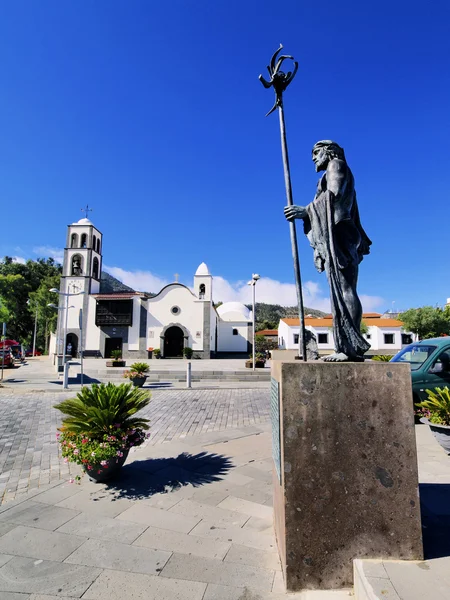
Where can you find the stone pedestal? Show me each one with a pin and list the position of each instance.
(345, 469)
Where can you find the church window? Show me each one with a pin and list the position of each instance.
(98, 246)
(77, 265)
(201, 291)
(94, 243)
(235, 332)
(95, 268)
(74, 240)
(83, 240)
(175, 310)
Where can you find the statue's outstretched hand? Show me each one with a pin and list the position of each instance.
(294, 212)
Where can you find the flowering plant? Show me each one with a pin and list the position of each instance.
(137, 370)
(436, 408)
(100, 425)
(98, 453)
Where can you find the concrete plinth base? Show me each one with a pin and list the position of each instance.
(345, 474)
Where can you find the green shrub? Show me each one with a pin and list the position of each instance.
(156, 352)
(140, 368)
(437, 407)
(382, 357)
(116, 354)
(103, 408)
(188, 352)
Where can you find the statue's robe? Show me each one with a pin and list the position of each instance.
(334, 231)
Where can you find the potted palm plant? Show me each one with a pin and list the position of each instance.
(260, 361)
(116, 361)
(99, 427)
(435, 412)
(137, 374)
(156, 353)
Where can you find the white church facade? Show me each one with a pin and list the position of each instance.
(98, 320)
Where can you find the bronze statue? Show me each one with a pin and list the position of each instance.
(331, 223)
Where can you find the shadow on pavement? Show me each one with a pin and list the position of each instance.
(77, 380)
(144, 478)
(435, 508)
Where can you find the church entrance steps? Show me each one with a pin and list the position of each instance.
(116, 375)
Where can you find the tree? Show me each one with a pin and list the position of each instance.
(14, 290)
(47, 316)
(363, 328)
(17, 282)
(262, 344)
(427, 321)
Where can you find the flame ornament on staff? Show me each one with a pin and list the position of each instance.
(280, 80)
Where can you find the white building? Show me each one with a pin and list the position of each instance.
(99, 321)
(385, 335)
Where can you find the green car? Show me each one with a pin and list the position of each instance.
(430, 365)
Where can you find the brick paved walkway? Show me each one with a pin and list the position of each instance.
(28, 424)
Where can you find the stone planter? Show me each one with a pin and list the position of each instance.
(259, 364)
(115, 363)
(106, 473)
(138, 381)
(440, 432)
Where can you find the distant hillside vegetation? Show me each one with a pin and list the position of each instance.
(268, 315)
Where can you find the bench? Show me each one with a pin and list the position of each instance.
(91, 354)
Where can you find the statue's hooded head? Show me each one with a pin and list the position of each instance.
(324, 151)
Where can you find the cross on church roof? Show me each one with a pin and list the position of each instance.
(176, 277)
(87, 210)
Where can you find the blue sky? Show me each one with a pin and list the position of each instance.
(152, 113)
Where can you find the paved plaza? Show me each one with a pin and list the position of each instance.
(191, 516)
(28, 425)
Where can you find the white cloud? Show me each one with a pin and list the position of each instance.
(269, 291)
(371, 303)
(19, 259)
(49, 251)
(141, 281)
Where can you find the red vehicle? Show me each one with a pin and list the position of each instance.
(7, 358)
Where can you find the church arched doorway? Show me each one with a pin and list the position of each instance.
(72, 344)
(173, 342)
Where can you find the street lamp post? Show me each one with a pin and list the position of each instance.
(67, 295)
(35, 328)
(253, 281)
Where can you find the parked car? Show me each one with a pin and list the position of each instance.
(7, 357)
(430, 365)
(29, 352)
(18, 352)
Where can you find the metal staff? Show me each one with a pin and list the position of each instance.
(279, 81)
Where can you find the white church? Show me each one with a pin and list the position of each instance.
(100, 317)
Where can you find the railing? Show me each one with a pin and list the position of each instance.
(113, 319)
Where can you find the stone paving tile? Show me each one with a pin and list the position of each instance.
(252, 509)
(244, 537)
(29, 457)
(155, 517)
(261, 525)
(173, 541)
(39, 515)
(194, 568)
(5, 527)
(119, 557)
(46, 577)
(103, 528)
(101, 503)
(119, 585)
(226, 592)
(215, 514)
(4, 558)
(39, 543)
(253, 557)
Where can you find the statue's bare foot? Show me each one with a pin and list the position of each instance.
(337, 357)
